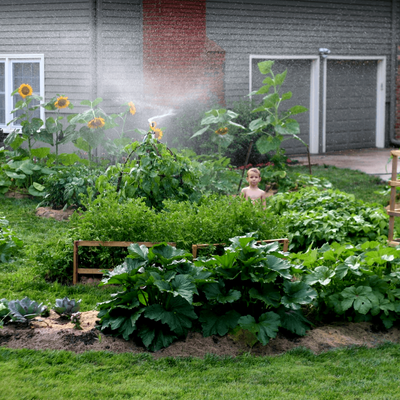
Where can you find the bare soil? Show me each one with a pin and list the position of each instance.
(56, 333)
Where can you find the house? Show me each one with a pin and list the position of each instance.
(341, 57)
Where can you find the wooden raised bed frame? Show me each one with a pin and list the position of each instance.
(393, 211)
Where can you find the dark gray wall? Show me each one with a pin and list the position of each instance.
(292, 27)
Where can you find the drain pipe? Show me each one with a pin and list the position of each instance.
(392, 117)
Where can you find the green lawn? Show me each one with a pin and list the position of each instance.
(356, 373)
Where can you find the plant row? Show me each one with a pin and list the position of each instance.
(251, 289)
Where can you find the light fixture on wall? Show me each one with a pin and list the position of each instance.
(323, 52)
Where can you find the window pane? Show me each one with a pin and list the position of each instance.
(2, 95)
(28, 73)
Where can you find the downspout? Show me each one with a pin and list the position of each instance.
(93, 48)
(393, 63)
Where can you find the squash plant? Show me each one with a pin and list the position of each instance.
(355, 282)
(156, 303)
(255, 289)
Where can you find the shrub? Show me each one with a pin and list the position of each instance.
(66, 184)
(213, 220)
(314, 217)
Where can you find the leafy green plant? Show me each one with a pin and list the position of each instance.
(65, 185)
(154, 173)
(25, 309)
(277, 126)
(156, 304)
(254, 290)
(4, 311)
(9, 242)
(355, 282)
(220, 119)
(315, 217)
(66, 307)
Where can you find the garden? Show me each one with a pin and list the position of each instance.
(337, 284)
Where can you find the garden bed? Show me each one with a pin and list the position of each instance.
(57, 334)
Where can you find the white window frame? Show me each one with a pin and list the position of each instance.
(8, 60)
(314, 93)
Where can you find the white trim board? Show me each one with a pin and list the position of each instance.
(314, 93)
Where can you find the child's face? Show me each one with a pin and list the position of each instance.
(254, 179)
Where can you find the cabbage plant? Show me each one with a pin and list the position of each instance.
(25, 309)
(66, 307)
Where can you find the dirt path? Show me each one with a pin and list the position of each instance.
(58, 334)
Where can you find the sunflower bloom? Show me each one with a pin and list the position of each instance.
(158, 134)
(62, 102)
(132, 108)
(25, 90)
(221, 131)
(96, 123)
(153, 125)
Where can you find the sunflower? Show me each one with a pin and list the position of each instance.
(132, 108)
(96, 123)
(153, 125)
(25, 90)
(62, 102)
(158, 134)
(221, 131)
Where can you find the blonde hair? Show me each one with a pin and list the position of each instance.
(256, 170)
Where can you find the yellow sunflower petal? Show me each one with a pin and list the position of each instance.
(153, 125)
(62, 102)
(132, 108)
(96, 123)
(25, 90)
(158, 134)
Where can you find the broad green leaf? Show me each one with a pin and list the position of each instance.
(82, 144)
(257, 124)
(14, 175)
(68, 159)
(138, 251)
(279, 265)
(266, 328)
(267, 143)
(290, 128)
(271, 100)
(213, 292)
(361, 298)
(297, 294)
(214, 324)
(263, 89)
(280, 78)
(181, 285)
(321, 274)
(294, 321)
(297, 110)
(166, 254)
(155, 339)
(268, 295)
(265, 66)
(286, 96)
(227, 260)
(178, 317)
(129, 326)
(40, 152)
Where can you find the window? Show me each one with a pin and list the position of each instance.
(15, 70)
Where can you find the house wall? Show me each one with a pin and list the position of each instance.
(290, 27)
(59, 30)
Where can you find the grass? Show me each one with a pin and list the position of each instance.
(20, 278)
(361, 185)
(355, 373)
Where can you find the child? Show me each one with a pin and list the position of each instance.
(253, 192)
